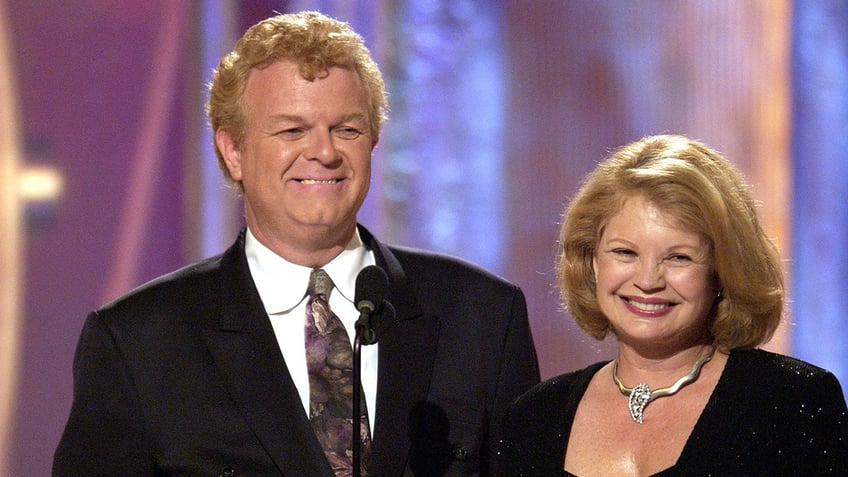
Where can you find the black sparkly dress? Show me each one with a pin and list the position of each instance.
(768, 415)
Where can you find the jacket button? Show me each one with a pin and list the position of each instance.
(228, 472)
(459, 453)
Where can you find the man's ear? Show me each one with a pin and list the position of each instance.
(229, 151)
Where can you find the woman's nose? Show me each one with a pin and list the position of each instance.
(649, 276)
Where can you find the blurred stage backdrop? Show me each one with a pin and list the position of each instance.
(498, 109)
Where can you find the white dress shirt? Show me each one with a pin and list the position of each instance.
(282, 288)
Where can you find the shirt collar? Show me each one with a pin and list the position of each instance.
(282, 284)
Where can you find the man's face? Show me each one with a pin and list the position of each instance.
(305, 163)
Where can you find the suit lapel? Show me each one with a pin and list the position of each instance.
(407, 352)
(247, 354)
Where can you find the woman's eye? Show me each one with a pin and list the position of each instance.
(623, 254)
(679, 259)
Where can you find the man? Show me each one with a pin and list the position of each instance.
(203, 371)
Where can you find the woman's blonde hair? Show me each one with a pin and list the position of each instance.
(707, 195)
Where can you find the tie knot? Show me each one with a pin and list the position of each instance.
(319, 284)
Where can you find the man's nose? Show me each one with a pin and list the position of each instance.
(321, 147)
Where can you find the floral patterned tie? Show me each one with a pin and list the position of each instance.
(329, 359)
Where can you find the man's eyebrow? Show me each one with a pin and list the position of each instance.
(277, 118)
(284, 117)
(354, 117)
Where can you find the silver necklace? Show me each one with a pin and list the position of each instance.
(640, 395)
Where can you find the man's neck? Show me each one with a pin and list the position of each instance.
(312, 249)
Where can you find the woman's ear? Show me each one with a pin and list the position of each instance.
(594, 269)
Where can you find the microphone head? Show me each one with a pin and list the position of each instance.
(371, 285)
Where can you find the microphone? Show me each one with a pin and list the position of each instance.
(371, 284)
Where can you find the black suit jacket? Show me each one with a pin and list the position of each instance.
(184, 375)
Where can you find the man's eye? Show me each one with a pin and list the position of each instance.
(348, 133)
(290, 133)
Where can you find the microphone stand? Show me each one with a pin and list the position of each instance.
(357, 404)
(363, 326)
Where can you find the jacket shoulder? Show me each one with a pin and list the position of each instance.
(553, 392)
(437, 266)
(777, 368)
(190, 284)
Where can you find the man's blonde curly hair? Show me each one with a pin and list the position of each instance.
(313, 41)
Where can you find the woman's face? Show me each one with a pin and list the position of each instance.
(654, 280)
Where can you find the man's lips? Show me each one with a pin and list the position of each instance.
(318, 181)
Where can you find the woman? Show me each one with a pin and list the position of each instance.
(662, 248)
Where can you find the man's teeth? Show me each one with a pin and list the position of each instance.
(648, 306)
(315, 181)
